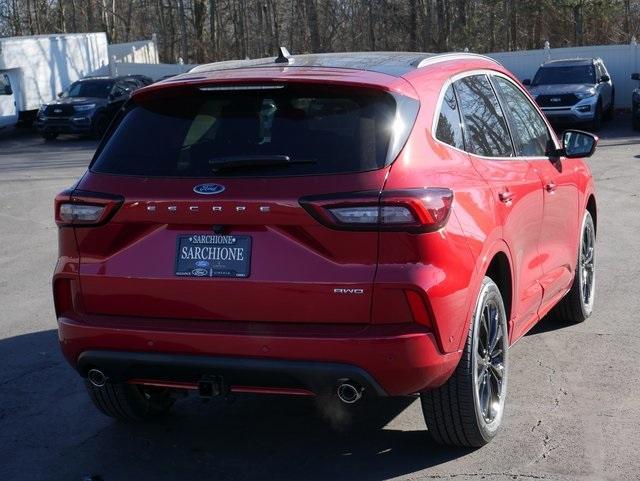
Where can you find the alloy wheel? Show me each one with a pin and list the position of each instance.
(491, 344)
(587, 265)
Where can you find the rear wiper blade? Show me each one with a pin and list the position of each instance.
(252, 161)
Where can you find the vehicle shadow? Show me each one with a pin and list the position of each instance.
(47, 416)
(547, 324)
(24, 151)
(615, 132)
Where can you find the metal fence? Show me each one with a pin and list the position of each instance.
(621, 61)
(154, 70)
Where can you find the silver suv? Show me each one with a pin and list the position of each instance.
(574, 91)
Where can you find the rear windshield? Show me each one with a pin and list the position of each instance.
(578, 74)
(273, 130)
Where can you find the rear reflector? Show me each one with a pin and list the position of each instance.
(62, 296)
(413, 210)
(82, 208)
(418, 308)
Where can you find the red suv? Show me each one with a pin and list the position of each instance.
(355, 225)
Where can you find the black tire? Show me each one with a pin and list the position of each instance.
(611, 110)
(100, 127)
(576, 306)
(634, 121)
(453, 412)
(48, 136)
(128, 402)
(596, 123)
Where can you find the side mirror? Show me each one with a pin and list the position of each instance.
(605, 78)
(578, 144)
(8, 90)
(635, 76)
(526, 81)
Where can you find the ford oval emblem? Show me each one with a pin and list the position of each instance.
(208, 189)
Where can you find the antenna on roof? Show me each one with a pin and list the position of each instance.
(283, 55)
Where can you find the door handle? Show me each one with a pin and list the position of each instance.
(505, 196)
(551, 187)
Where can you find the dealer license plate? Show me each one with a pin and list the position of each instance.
(212, 255)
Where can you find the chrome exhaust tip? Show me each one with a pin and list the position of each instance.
(349, 393)
(96, 377)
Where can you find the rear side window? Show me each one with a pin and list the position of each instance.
(275, 131)
(485, 127)
(532, 139)
(4, 83)
(121, 88)
(449, 129)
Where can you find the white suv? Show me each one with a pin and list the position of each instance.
(574, 91)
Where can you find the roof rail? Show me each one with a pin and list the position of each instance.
(445, 57)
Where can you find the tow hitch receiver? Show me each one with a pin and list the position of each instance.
(210, 386)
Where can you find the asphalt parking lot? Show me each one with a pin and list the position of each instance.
(573, 411)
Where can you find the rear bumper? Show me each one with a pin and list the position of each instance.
(313, 377)
(392, 360)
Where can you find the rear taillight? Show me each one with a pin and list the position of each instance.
(81, 208)
(80, 214)
(413, 210)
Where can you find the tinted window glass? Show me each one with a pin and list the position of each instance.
(302, 129)
(485, 128)
(532, 139)
(449, 129)
(4, 83)
(121, 88)
(131, 84)
(576, 74)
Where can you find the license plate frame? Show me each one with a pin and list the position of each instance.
(213, 256)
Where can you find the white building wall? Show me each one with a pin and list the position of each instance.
(139, 58)
(621, 61)
(47, 64)
(145, 51)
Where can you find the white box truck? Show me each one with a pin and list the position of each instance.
(33, 70)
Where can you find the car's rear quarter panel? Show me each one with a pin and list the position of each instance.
(459, 255)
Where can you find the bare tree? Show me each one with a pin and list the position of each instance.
(210, 30)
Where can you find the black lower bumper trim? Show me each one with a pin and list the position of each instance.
(319, 377)
(61, 129)
(568, 119)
